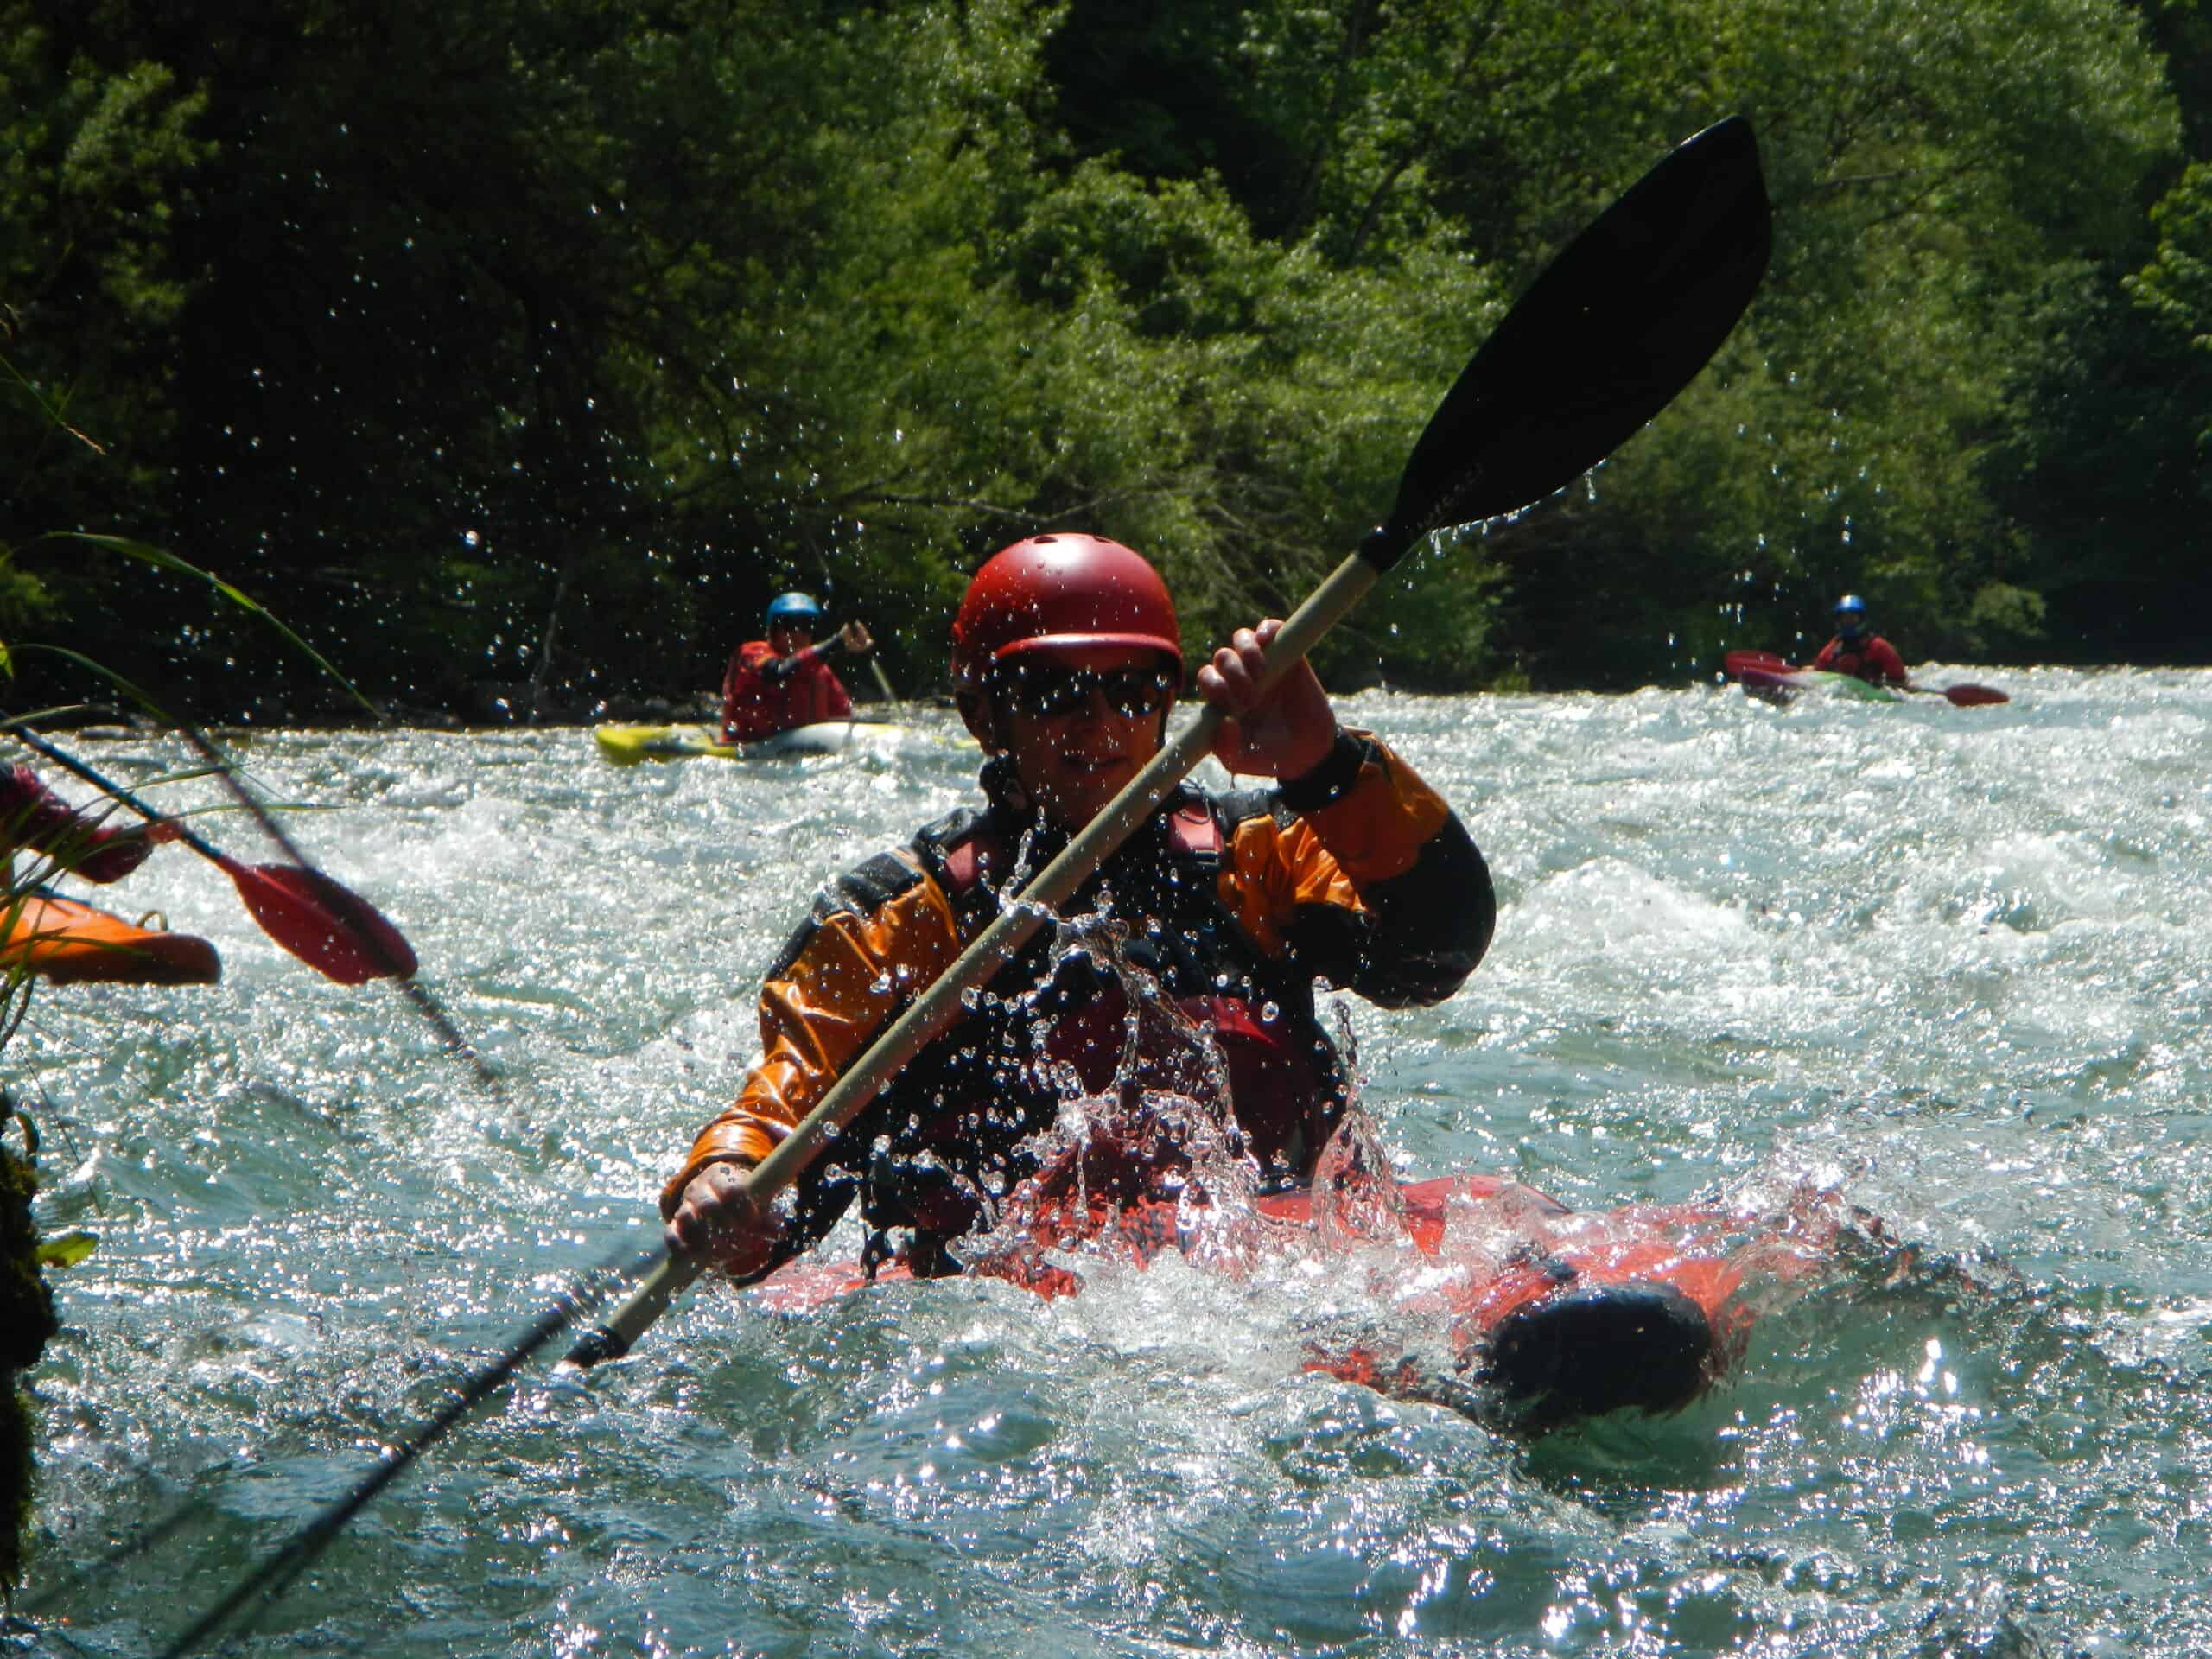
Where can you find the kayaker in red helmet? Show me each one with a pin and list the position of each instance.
(1066, 661)
(1857, 651)
(784, 681)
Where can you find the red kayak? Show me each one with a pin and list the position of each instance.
(1762, 674)
(1529, 1313)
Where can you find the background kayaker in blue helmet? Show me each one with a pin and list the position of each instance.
(1857, 651)
(775, 684)
(1345, 867)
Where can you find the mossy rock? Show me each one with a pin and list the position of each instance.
(26, 1321)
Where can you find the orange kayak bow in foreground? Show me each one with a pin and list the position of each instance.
(68, 943)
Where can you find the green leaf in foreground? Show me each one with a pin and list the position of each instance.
(67, 1249)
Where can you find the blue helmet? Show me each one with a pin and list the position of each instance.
(1850, 613)
(796, 608)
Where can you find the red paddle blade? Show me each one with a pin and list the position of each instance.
(338, 933)
(1764, 662)
(1975, 696)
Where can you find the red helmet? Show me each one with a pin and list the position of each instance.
(1059, 592)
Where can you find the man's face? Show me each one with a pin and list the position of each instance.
(787, 637)
(1080, 724)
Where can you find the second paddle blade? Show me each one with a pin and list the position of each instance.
(338, 933)
(1975, 696)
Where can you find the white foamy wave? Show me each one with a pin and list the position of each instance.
(1611, 910)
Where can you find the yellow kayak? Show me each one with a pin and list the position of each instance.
(627, 746)
(67, 943)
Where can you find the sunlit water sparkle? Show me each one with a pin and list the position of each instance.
(1955, 962)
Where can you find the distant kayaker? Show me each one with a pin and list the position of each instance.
(784, 681)
(74, 843)
(1348, 869)
(1855, 651)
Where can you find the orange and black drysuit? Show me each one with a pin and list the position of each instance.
(1235, 904)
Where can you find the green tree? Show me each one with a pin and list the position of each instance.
(1929, 166)
(532, 347)
(2107, 468)
(1022, 339)
(434, 277)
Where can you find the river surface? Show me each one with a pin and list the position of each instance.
(1955, 963)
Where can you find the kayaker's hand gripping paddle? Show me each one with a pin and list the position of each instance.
(1610, 332)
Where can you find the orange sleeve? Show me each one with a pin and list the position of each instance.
(852, 972)
(1270, 871)
(1371, 831)
(1377, 829)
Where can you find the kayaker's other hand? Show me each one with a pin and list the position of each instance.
(162, 832)
(720, 1220)
(1284, 733)
(855, 637)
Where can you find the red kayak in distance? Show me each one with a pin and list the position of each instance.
(1762, 674)
(1490, 1297)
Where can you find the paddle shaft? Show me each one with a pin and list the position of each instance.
(883, 682)
(1016, 922)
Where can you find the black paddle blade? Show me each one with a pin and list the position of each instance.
(1603, 340)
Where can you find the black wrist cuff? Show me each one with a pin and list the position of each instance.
(1330, 781)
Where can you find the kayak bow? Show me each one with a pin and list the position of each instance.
(627, 746)
(1491, 1297)
(66, 943)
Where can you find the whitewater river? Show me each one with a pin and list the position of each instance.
(1956, 964)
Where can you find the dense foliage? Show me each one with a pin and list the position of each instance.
(523, 349)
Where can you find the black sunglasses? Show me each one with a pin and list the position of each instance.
(1044, 690)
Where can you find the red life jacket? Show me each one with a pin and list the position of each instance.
(755, 706)
(1284, 1077)
(1872, 659)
